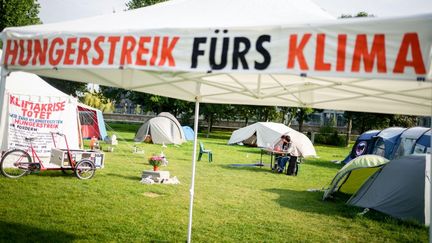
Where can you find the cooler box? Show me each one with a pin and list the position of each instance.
(60, 157)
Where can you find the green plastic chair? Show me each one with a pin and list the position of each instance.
(204, 151)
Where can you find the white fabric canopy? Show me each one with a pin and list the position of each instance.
(273, 52)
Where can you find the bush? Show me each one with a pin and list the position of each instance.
(330, 136)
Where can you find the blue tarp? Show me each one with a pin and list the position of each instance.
(101, 125)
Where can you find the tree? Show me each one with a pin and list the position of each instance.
(403, 120)
(134, 4)
(266, 113)
(348, 116)
(66, 86)
(210, 113)
(303, 115)
(18, 13)
(98, 101)
(114, 93)
(244, 112)
(359, 14)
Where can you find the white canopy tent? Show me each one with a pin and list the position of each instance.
(278, 52)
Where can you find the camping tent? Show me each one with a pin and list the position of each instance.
(283, 52)
(401, 189)
(189, 133)
(363, 145)
(423, 144)
(350, 177)
(164, 128)
(407, 141)
(386, 140)
(35, 111)
(92, 122)
(267, 134)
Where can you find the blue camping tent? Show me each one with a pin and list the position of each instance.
(386, 141)
(363, 145)
(189, 133)
(407, 141)
(423, 144)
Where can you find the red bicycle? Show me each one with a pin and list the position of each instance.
(18, 162)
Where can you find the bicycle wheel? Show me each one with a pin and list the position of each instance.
(15, 163)
(85, 169)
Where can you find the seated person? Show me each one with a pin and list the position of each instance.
(284, 145)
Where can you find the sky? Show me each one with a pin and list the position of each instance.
(52, 11)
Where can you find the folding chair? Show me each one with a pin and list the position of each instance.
(204, 151)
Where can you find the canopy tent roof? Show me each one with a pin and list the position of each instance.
(289, 53)
(204, 14)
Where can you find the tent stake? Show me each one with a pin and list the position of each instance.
(192, 188)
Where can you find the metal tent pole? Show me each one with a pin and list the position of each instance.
(192, 188)
(429, 175)
(4, 74)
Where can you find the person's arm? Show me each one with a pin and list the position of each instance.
(278, 144)
(290, 148)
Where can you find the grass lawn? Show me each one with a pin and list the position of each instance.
(232, 204)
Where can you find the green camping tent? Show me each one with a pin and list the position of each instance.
(352, 176)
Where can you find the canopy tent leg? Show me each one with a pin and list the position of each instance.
(3, 112)
(192, 188)
(429, 175)
(4, 74)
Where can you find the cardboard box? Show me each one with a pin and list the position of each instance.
(60, 157)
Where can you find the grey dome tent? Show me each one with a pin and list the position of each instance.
(163, 128)
(401, 188)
